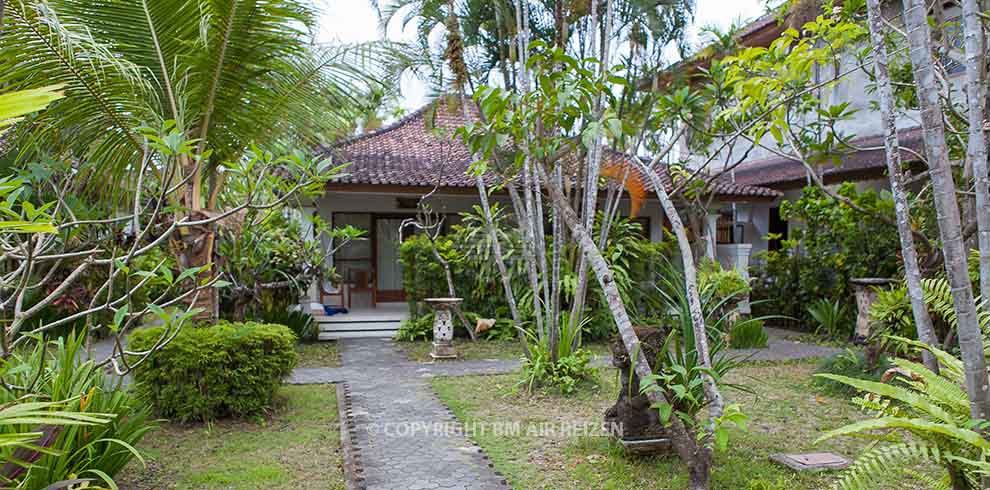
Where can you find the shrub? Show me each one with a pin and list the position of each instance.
(834, 244)
(230, 369)
(89, 451)
(849, 363)
(748, 334)
(300, 322)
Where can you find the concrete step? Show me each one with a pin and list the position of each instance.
(360, 334)
(361, 325)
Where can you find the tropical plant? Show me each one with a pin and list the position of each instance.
(300, 322)
(918, 416)
(418, 328)
(228, 74)
(833, 318)
(20, 448)
(748, 334)
(680, 369)
(60, 370)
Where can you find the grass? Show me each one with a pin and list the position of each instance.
(419, 351)
(298, 449)
(318, 354)
(785, 416)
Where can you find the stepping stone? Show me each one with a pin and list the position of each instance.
(811, 461)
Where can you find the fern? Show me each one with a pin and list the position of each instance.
(938, 297)
(882, 460)
(919, 416)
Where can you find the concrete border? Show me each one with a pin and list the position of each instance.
(353, 471)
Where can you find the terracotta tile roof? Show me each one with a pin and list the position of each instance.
(779, 172)
(407, 153)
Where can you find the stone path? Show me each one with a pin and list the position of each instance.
(406, 437)
(782, 346)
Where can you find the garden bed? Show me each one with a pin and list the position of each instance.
(298, 448)
(419, 351)
(786, 415)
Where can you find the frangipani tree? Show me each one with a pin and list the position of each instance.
(228, 73)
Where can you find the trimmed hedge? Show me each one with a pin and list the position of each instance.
(227, 370)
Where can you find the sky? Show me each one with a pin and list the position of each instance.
(352, 21)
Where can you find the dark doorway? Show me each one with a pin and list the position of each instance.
(778, 229)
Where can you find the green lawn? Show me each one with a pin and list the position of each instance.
(297, 449)
(419, 351)
(786, 415)
(318, 354)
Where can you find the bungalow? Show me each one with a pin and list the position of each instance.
(391, 168)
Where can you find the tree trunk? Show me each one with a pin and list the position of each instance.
(195, 249)
(594, 161)
(947, 209)
(912, 273)
(684, 443)
(712, 393)
(976, 88)
(485, 209)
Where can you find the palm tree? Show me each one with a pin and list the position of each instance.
(230, 73)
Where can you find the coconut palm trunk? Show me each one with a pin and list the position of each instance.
(912, 273)
(976, 90)
(947, 209)
(455, 58)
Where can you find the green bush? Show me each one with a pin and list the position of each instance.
(227, 370)
(80, 451)
(748, 334)
(834, 243)
(564, 375)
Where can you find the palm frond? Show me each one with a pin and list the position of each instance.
(106, 95)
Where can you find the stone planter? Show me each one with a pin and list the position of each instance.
(865, 289)
(631, 421)
(443, 327)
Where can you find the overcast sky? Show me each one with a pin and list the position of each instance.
(352, 21)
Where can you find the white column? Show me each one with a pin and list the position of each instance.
(310, 302)
(736, 256)
(711, 235)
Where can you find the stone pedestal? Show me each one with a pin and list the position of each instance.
(865, 289)
(631, 420)
(443, 327)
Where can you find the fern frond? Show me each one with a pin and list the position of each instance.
(940, 389)
(921, 427)
(929, 481)
(911, 398)
(882, 460)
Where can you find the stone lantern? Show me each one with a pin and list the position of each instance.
(443, 327)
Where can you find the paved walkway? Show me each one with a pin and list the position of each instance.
(407, 438)
(782, 346)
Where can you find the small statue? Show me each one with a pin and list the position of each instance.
(631, 420)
